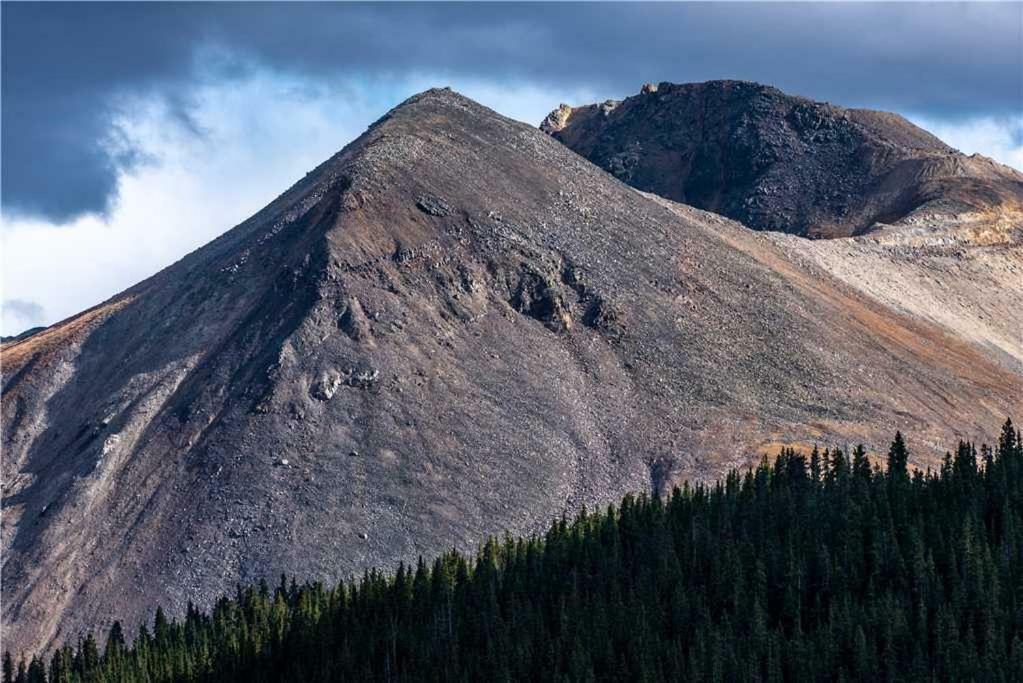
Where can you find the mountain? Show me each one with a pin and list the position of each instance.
(777, 162)
(24, 335)
(938, 234)
(454, 327)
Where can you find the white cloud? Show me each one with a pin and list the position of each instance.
(19, 314)
(259, 137)
(998, 138)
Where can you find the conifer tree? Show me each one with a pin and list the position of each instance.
(898, 460)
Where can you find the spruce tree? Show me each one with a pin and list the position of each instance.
(898, 460)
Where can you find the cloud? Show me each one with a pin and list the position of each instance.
(19, 314)
(68, 68)
(257, 138)
(133, 133)
(1000, 138)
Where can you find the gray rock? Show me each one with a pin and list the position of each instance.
(433, 206)
(361, 376)
(327, 385)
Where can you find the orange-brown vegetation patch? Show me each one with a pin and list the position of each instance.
(14, 354)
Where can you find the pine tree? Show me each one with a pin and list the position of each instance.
(89, 656)
(36, 671)
(898, 460)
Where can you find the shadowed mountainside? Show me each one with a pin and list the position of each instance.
(777, 162)
(454, 327)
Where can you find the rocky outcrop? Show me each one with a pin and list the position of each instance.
(777, 162)
(557, 119)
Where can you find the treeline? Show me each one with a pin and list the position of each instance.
(808, 568)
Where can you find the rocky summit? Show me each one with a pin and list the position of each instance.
(777, 162)
(455, 327)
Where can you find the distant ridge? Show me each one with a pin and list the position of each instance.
(778, 162)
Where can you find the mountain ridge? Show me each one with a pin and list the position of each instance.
(454, 327)
(781, 162)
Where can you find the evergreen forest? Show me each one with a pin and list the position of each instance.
(825, 566)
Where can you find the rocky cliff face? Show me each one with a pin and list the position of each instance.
(454, 327)
(777, 162)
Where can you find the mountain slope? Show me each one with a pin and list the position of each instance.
(745, 579)
(454, 327)
(950, 252)
(777, 162)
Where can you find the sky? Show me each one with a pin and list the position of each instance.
(133, 133)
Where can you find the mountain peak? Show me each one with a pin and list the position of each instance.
(435, 100)
(781, 162)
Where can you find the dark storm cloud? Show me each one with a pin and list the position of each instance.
(65, 64)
